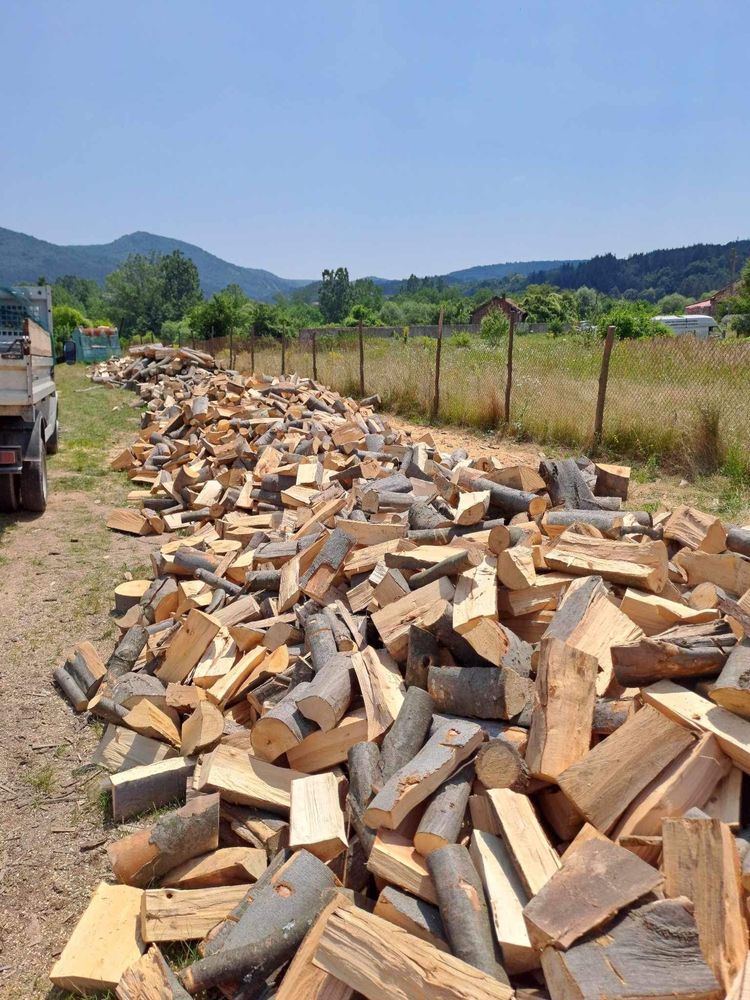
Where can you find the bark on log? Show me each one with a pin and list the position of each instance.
(504, 499)
(320, 640)
(442, 819)
(439, 621)
(738, 540)
(685, 651)
(271, 927)
(127, 652)
(500, 763)
(567, 487)
(451, 566)
(732, 687)
(477, 692)
(423, 653)
(329, 694)
(609, 522)
(408, 733)
(463, 909)
(365, 780)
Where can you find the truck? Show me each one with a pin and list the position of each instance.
(29, 427)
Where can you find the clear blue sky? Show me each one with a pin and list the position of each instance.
(389, 136)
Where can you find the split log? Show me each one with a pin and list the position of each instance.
(187, 647)
(593, 885)
(150, 786)
(610, 714)
(202, 730)
(186, 914)
(691, 527)
(452, 743)
(176, 837)
(612, 480)
(282, 728)
(227, 866)
(463, 909)
(365, 780)
(320, 751)
(641, 564)
(442, 819)
(653, 944)
(423, 652)
(270, 928)
(478, 692)
(316, 820)
(378, 959)
(603, 783)
(535, 860)
(701, 862)
(150, 978)
(303, 978)
(245, 780)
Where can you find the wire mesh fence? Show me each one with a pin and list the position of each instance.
(663, 395)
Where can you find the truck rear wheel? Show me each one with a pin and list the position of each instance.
(52, 443)
(34, 483)
(10, 493)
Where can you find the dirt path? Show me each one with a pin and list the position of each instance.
(57, 574)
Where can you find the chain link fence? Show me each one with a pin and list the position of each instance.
(676, 398)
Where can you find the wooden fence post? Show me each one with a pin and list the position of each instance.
(252, 349)
(193, 333)
(438, 352)
(361, 362)
(315, 355)
(601, 395)
(231, 348)
(509, 369)
(283, 352)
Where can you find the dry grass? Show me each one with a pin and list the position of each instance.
(683, 401)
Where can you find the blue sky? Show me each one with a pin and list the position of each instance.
(388, 136)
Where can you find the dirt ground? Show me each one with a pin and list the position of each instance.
(57, 574)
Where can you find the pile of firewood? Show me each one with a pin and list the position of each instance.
(440, 727)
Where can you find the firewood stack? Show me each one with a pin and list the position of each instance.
(422, 725)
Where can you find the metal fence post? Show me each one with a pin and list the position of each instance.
(438, 352)
(361, 362)
(601, 395)
(283, 352)
(509, 371)
(315, 355)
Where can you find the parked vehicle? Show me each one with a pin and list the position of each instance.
(701, 327)
(28, 396)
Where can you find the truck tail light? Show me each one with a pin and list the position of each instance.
(8, 457)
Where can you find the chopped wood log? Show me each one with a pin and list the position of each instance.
(610, 714)
(381, 687)
(86, 667)
(150, 786)
(732, 687)
(412, 915)
(612, 480)
(394, 859)
(121, 749)
(568, 488)
(328, 695)
(701, 715)
(377, 959)
(186, 914)
(202, 730)
(316, 820)
(500, 761)
(148, 720)
(105, 942)
(644, 949)
(603, 783)
(506, 501)
(245, 780)
(696, 530)
(271, 927)
(320, 751)
(641, 564)
(506, 898)
(515, 568)
(463, 909)
(302, 978)
(479, 692)
(609, 522)
(129, 593)
(533, 856)
(187, 647)
(282, 728)
(472, 507)
(423, 652)
(69, 687)
(127, 651)
(451, 744)
(394, 621)
(681, 652)
(686, 783)
(738, 540)
(592, 886)
(150, 978)
(655, 614)
(727, 570)
(442, 819)
(701, 862)
(174, 838)
(227, 866)
(452, 565)
(408, 733)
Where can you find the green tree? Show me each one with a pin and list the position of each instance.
(180, 285)
(586, 302)
(228, 311)
(632, 320)
(545, 304)
(366, 293)
(335, 294)
(494, 327)
(134, 293)
(65, 319)
(672, 304)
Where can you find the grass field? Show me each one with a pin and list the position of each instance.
(681, 402)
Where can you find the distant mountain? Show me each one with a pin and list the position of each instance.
(691, 271)
(493, 272)
(25, 258)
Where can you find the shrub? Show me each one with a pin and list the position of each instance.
(460, 340)
(494, 327)
(632, 321)
(741, 324)
(426, 343)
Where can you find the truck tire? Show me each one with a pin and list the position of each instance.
(53, 442)
(34, 483)
(10, 493)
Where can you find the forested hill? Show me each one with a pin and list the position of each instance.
(25, 258)
(691, 271)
